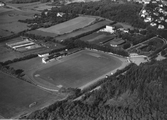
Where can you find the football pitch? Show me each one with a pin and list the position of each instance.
(78, 69)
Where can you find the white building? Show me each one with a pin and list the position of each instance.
(161, 27)
(153, 24)
(43, 55)
(108, 28)
(60, 14)
(147, 19)
(2, 4)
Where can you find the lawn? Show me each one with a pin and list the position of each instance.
(16, 96)
(69, 26)
(84, 30)
(78, 69)
(97, 38)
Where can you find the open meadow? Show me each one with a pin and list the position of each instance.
(9, 21)
(17, 97)
(75, 70)
(69, 26)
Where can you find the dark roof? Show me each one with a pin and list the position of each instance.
(117, 41)
(117, 26)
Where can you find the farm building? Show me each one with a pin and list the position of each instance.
(116, 42)
(22, 44)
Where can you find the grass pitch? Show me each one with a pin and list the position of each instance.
(70, 25)
(79, 69)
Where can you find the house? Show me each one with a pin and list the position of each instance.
(60, 14)
(161, 27)
(142, 15)
(123, 30)
(153, 24)
(161, 18)
(148, 19)
(160, 5)
(146, 1)
(117, 41)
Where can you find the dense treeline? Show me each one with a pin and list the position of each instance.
(127, 13)
(24, 1)
(137, 94)
(10, 70)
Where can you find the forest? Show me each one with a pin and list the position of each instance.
(24, 1)
(28, 1)
(137, 94)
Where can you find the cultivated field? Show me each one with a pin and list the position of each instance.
(7, 53)
(75, 70)
(87, 29)
(35, 6)
(17, 95)
(69, 26)
(9, 22)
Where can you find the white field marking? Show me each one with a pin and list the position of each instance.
(47, 88)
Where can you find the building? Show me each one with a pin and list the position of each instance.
(161, 27)
(2, 4)
(153, 24)
(109, 29)
(116, 42)
(60, 14)
(146, 1)
(43, 55)
(148, 19)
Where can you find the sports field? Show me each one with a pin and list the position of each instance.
(97, 38)
(69, 26)
(17, 95)
(96, 26)
(78, 69)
